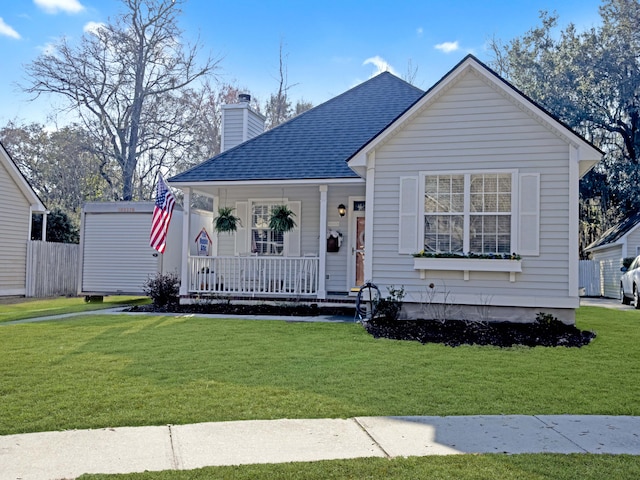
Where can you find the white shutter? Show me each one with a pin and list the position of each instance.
(242, 232)
(292, 238)
(529, 214)
(408, 234)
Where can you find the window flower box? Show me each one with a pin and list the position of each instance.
(466, 265)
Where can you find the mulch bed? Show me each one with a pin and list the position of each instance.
(500, 334)
(547, 333)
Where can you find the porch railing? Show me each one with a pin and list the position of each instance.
(278, 276)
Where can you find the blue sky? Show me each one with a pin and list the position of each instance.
(330, 45)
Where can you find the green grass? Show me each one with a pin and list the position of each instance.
(460, 467)
(21, 309)
(120, 370)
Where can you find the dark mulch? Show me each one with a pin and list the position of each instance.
(544, 332)
(549, 333)
(298, 310)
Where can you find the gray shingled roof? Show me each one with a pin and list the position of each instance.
(317, 143)
(616, 232)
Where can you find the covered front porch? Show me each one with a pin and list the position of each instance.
(253, 262)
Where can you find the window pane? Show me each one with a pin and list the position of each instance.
(443, 233)
(457, 202)
(457, 184)
(430, 203)
(263, 240)
(504, 202)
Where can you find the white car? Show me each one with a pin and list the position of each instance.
(630, 283)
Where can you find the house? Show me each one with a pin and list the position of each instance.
(469, 166)
(620, 241)
(19, 202)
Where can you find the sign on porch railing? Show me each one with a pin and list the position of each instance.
(203, 242)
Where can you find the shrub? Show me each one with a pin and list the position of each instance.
(163, 288)
(389, 308)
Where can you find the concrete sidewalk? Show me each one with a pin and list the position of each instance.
(68, 454)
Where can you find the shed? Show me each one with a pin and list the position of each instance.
(115, 256)
(620, 241)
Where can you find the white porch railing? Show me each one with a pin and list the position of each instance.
(284, 276)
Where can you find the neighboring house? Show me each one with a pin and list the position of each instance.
(19, 202)
(620, 241)
(471, 165)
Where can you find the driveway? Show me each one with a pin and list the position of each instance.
(613, 303)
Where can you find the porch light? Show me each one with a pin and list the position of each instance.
(342, 209)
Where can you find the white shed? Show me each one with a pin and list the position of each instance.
(617, 243)
(115, 256)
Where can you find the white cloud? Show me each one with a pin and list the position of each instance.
(48, 48)
(419, 32)
(448, 47)
(7, 31)
(55, 6)
(380, 64)
(92, 27)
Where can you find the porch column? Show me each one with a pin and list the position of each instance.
(322, 247)
(368, 226)
(186, 227)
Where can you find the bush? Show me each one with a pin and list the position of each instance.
(163, 288)
(389, 308)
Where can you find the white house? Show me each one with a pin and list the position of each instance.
(617, 243)
(472, 166)
(19, 202)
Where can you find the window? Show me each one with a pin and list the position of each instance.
(264, 241)
(468, 213)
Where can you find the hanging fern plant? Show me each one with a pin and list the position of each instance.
(281, 219)
(226, 221)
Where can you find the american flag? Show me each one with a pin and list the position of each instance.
(161, 215)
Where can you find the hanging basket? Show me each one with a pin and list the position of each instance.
(281, 220)
(226, 221)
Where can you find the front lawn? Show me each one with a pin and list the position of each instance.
(20, 309)
(459, 467)
(120, 370)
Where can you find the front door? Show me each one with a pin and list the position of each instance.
(357, 242)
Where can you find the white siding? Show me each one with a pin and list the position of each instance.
(633, 243)
(610, 263)
(255, 124)
(232, 127)
(14, 219)
(473, 127)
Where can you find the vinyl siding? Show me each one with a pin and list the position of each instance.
(633, 242)
(233, 127)
(472, 127)
(610, 259)
(255, 125)
(14, 218)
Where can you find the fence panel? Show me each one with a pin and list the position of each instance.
(590, 278)
(52, 269)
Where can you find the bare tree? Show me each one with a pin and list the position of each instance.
(278, 107)
(126, 80)
(411, 72)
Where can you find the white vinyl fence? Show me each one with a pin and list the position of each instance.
(52, 269)
(590, 279)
